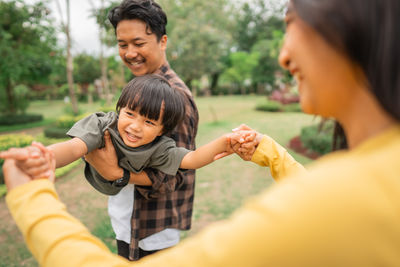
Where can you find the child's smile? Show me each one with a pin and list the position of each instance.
(137, 130)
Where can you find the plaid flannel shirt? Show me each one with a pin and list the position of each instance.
(168, 203)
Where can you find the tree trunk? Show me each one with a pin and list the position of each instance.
(214, 83)
(10, 98)
(103, 64)
(70, 67)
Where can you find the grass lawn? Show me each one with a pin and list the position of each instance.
(220, 187)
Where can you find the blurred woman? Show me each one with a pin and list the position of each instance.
(345, 211)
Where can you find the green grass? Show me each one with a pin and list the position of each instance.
(9, 128)
(221, 187)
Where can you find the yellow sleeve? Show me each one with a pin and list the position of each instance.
(270, 154)
(54, 237)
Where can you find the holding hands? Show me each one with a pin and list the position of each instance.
(243, 141)
(29, 163)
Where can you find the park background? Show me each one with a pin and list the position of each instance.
(225, 51)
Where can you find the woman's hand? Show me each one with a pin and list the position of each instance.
(244, 142)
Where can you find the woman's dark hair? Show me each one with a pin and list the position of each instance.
(149, 94)
(147, 11)
(368, 32)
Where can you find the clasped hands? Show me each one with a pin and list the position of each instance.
(243, 141)
(26, 164)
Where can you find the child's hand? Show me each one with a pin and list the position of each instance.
(36, 160)
(228, 148)
(244, 142)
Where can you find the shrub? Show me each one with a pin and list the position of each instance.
(67, 121)
(294, 107)
(271, 106)
(12, 140)
(55, 132)
(62, 125)
(318, 140)
(14, 119)
(284, 96)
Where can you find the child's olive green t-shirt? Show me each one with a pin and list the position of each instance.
(161, 154)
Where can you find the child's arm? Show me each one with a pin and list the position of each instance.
(68, 151)
(206, 154)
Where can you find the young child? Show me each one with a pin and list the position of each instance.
(147, 109)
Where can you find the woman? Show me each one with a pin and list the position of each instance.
(345, 210)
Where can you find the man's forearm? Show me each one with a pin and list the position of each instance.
(135, 178)
(140, 179)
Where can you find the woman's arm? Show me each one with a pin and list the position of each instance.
(264, 151)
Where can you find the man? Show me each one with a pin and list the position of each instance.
(148, 214)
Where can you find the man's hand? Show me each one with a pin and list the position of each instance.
(20, 161)
(105, 160)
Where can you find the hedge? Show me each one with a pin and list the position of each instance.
(14, 119)
(274, 106)
(62, 125)
(55, 132)
(271, 106)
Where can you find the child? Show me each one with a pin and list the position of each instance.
(147, 108)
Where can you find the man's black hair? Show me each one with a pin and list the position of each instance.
(147, 11)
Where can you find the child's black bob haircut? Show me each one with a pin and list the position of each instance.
(149, 94)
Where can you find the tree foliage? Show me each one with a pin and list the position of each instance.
(27, 48)
(199, 36)
(86, 68)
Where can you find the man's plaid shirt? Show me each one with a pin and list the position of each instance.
(168, 203)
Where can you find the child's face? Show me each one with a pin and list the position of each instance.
(137, 130)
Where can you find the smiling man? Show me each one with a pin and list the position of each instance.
(149, 218)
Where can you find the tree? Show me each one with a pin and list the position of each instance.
(101, 17)
(199, 37)
(107, 38)
(86, 69)
(257, 20)
(27, 48)
(70, 67)
(242, 65)
(267, 65)
(260, 30)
